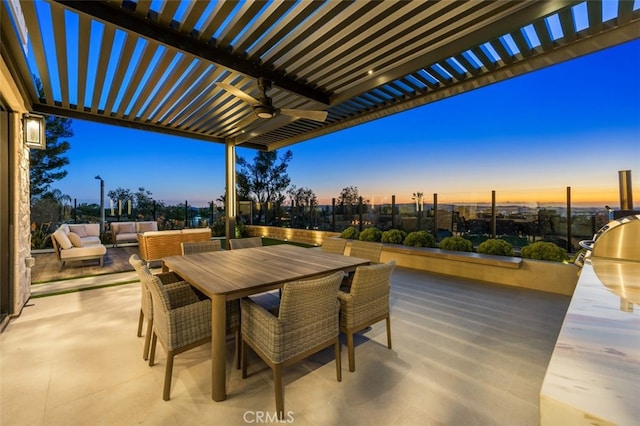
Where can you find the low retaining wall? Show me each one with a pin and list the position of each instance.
(304, 236)
(553, 277)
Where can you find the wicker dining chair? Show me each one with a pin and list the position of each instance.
(306, 322)
(366, 250)
(172, 283)
(233, 306)
(178, 322)
(333, 245)
(366, 303)
(200, 246)
(240, 243)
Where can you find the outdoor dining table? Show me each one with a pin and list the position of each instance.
(233, 274)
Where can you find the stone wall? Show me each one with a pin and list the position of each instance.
(19, 202)
(22, 219)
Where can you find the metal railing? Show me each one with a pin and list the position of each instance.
(563, 222)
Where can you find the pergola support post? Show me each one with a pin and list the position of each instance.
(230, 204)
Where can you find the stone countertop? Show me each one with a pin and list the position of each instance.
(594, 373)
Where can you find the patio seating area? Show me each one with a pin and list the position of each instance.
(463, 353)
(115, 260)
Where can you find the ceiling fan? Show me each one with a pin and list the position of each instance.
(263, 107)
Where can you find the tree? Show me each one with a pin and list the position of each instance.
(143, 202)
(46, 165)
(140, 200)
(418, 197)
(303, 197)
(121, 196)
(50, 206)
(348, 199)
(265, 180)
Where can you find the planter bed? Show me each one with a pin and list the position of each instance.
(553, 277)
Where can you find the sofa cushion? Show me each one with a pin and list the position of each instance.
(87, 241)
(196, 231)
(75, 239)
(78, 230)
(147, 226)
(92, 230)
(62, 239)
(95, 251)
(90, 240)
(126, 228)
(161, 233)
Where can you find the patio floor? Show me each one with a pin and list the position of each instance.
(464, 352)
(116, 260)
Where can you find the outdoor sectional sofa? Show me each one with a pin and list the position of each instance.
(78, 242)
(128, 231)
(154, 245)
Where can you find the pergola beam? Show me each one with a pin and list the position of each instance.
(129, 21)
(515, 20)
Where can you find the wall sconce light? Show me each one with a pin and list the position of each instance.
(34, 131)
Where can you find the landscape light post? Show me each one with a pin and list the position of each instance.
(101, 204)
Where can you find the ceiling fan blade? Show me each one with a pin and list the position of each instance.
(303, 113)
(239, 94)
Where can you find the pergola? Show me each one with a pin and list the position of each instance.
(124, 63)
(166, 66)
(159, 65)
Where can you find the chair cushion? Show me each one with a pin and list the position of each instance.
(75, 239)
(62, 239)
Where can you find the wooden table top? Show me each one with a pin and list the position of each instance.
(238, 273)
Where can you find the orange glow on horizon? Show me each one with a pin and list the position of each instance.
(581, 197)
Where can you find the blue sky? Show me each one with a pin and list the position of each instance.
(574, 124)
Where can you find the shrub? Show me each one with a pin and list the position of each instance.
(241, 230)
(456, 244)
(41, 236)
(350, 233)
(218, 228)
(420, 239)
(496, 246)
(370, 234)
(393, 236)
(544, 250)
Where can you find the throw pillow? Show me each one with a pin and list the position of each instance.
(80, 231)
(75, 239)
(147, 226)
(62, 239)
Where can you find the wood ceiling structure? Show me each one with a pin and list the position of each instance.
(155, 65)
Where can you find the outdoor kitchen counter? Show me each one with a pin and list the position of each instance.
(594, 373)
